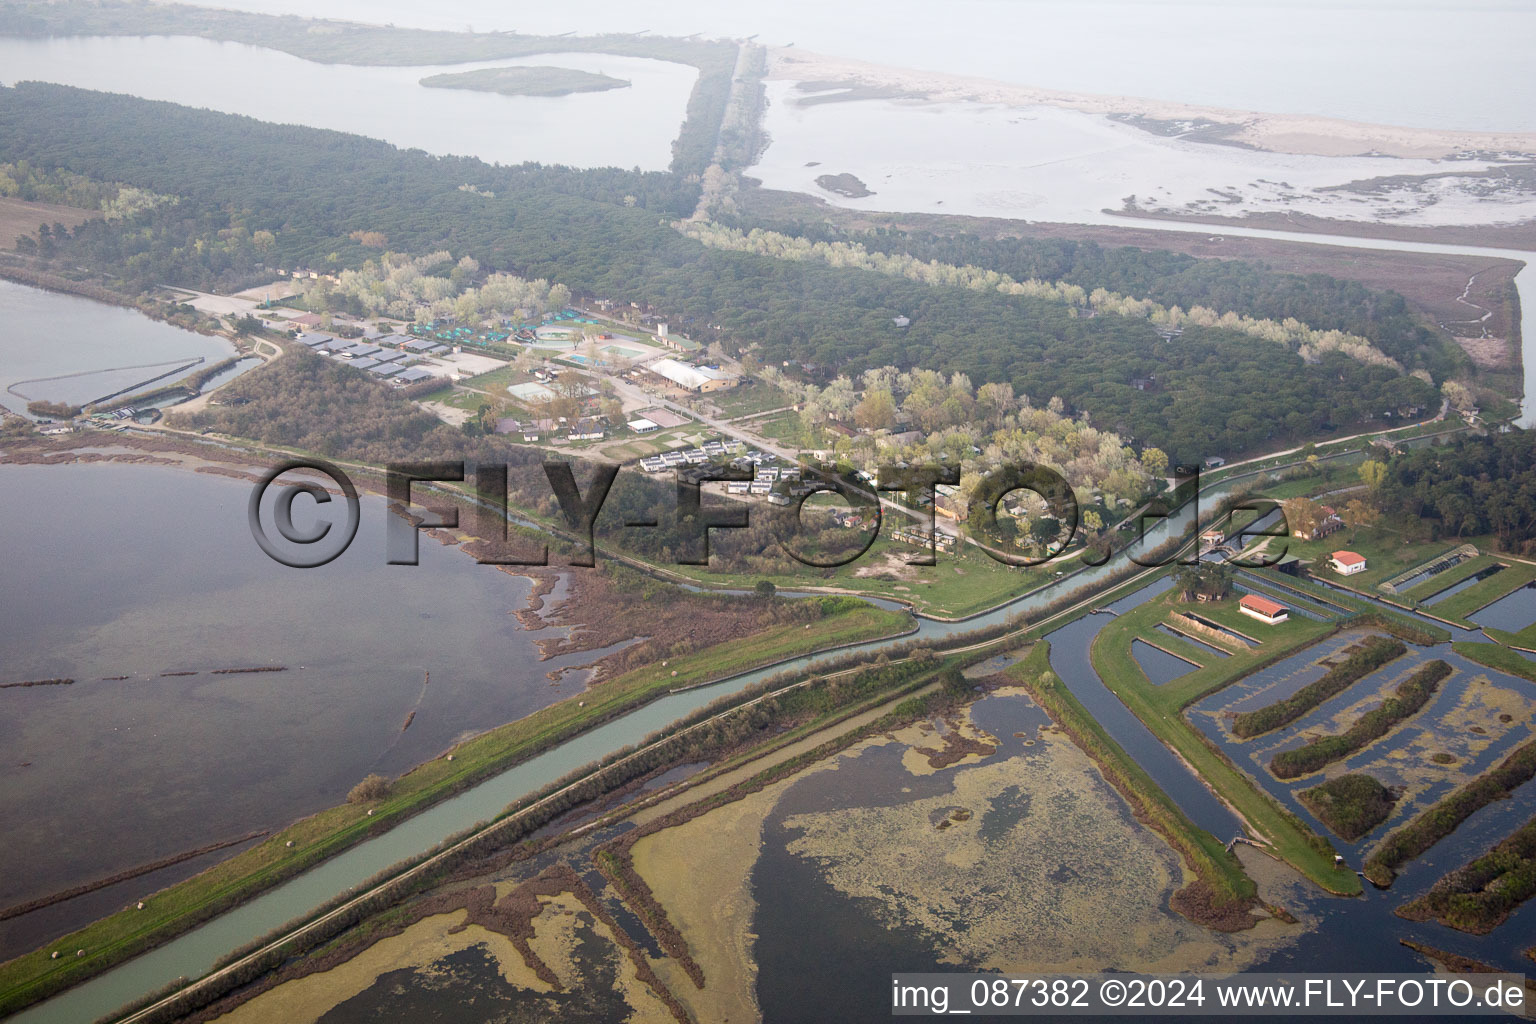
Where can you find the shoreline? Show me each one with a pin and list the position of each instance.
(1299, 134)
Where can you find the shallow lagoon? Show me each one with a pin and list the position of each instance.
(115, 773)
(631, 127)
(80, 344)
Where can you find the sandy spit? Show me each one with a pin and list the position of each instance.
(1280, 133)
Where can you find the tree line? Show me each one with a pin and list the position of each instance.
(1168, 279)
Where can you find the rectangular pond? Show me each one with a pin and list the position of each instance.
(1512, 612)
(1160, 666)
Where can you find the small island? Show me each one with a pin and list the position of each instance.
(844, 185)
(526, 81)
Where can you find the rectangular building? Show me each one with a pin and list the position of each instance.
(692, 378)
(1262, 608)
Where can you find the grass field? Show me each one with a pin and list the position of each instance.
(784, 427)
(1388, 549)
(1161, 707)
(496, 381)
(1525, 638)
(753, 396)
(19, 217)
(1215, 671)
(113, 939)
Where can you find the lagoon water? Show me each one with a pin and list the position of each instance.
(82, 343)
(1051, 164)
(630, 127)
(1512, 612)
(1419, 63)
(140, 571)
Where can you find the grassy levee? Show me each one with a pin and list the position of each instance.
(1363, 612)
(1376, 652)
(1161, 709)
(34, 976)
(1388, 550)
(1497, 657)
(1275, 642)
(1227, 887)
(1439, 821)
(723, 725)
(1525, 638)
(1411, 696)
(1458, 606)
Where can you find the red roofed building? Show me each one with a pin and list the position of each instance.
(1263, 609)
(1346, 563)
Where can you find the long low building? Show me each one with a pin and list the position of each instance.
(413, 375)
(1256, 606)
(694, 378)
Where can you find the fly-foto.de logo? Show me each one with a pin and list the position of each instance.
(991, 522)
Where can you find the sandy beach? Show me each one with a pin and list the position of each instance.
(1279, 133)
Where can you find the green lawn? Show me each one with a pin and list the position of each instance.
(1161, 709)
(1358, 449)
(749, 398)
(1335, 474)
(784, 427)
(113, 939)
(1341, 470)
(1277, 585)
(1171, 698)
(1387, 548)
(497, 381)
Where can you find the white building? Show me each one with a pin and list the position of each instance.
(1346, 563)
(694, 378)
(1263, 609)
